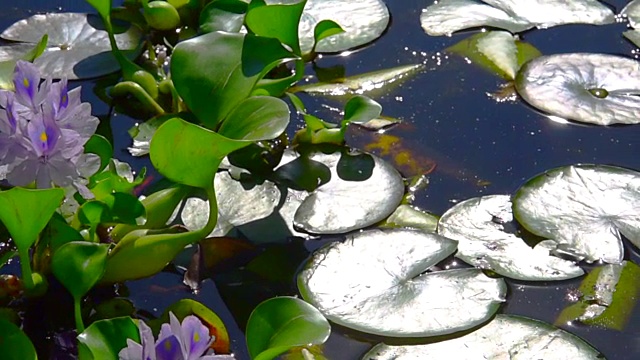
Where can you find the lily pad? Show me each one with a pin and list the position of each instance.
(583, 208)
(632, 12)
(375, 282)
(363, 83)
(484, 227)
(448, 16)
(362, 190)
(505, 337)
(78, 45)
(593, 88)
(362, 22)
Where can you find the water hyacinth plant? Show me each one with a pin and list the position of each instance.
(189, 340)
(43, 130)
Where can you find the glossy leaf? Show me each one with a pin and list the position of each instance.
(583, 208)
(362, 21)
(448, 16)
(593, 88)
(9, 56)
(278, 20)
(364, 83)
(325, 29)
(412, 217)
(14, 343)
(102, 6)
(78, 45)
(180, 152)
(100, 146)
(497, 51)
(376, 282)
(78, 265)
(362, 190)
(484, 228)
(214, 72)
(632, 12)
(26, 212)
(282, 323)
(256, 118)
(361, 109)
(223, 15)
(502, 338)
(105, 338)
(608, 296)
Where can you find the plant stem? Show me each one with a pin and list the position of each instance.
(130, 87)
(25, 266)
(77, 312)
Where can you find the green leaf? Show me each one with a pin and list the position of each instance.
(69, 55)
(409, 216)
(100, 146)
(363, 21)
(607, 297)
(278, 21)
(26, 212)
(376, 282)
(593, 88)
(104, 339)
(14, 343)
(584, 209)
(502, 338)
(374, 82)
(256, 118)
(102, 6)
(279, 324)
(215, 72)
(223, 15)
(189, 154)
(448, 16)
(360, 109)
(484, 229)
(78, 265)
(499, 52)
(325, 29)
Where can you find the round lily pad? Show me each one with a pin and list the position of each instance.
(505, 337)
(593, 88)
(78, 46)
(375, 282)
(583, 208)
(484, 229)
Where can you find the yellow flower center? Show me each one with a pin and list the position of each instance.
(43, 136)
(25, 82)
(167, 345)
(196, 337)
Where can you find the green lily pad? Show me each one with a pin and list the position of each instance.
(363, 83)
(362, 22)
(505, 337)
(593, 88)
(632, 12)
(633, 36)
(362, 190)
(375, 282)
(481, 226)
(448, 16)
(78, 45)
(411, 216)
(583, 208)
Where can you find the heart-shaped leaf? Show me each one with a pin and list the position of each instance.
(105, 338)
(78, 265)
(78, 45)
(502, 338)
(375, 282)
(256, 118)
(282, 323)
(594, 88)
(14, 343)
(279, 20)
(214, 72)
(485, 230)
(583, 208)
(360, 109)
(223, 15)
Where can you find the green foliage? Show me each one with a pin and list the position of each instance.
(100, 146)
(161, 15)
(223, 15)
(104, 339)
(282, 323)
(15, 344)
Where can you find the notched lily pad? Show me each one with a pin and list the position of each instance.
(448, 16)
(375, 282)
(362, 190)
(503, 338)
(583, 208)
(593, 88)
(484, 229)
(78, 46)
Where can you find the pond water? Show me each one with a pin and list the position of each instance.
(480, 145)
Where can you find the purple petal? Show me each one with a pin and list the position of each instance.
(44, 135)
(60, 170)
(195, 337)
(70, 144)
(169, 349)
(24, 172)
(148, 343)
(26, 78)
(133, 351)
(79, 119)
(218, 357)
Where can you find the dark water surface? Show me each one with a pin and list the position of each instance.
(481, 147)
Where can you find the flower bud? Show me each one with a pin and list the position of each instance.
(161, 15)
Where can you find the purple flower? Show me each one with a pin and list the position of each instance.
(187, 341)
(43, 130)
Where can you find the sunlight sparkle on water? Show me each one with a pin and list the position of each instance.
(558, 119)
